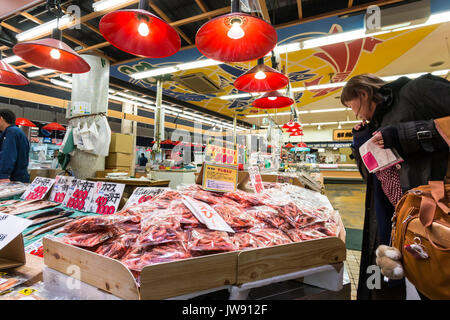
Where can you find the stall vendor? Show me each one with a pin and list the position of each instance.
(14, 149)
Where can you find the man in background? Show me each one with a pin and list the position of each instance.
(143, 160)
(14, 150)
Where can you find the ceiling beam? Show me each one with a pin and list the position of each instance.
(265, 12)
(350, 3)
(300, 9)
(202, 16)
(338, 12)
(201, 5)
(167, 19)
(10, 27)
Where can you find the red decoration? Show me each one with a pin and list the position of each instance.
(295, 129)
(52, 54)
(54, 126)
(24, 122)
(302, 145)
(261, 78)
(139, 32)
(291, 124)
(251, 38)
(10, 76)
(289, 145)
(296, 134)
(273, 100)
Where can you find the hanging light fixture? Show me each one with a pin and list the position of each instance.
(291, 124)
(289, 145)
(139, 32)
(302, 145)
(10, 76)
(296, 134)
(236, 37)
(273, 100)
(297, 129)
(261, 78)
(53, 126)
(52, 53)
(24, 122)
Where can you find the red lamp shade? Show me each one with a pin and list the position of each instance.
(24, 122)
(52, 54)
(236, 37)
(302, 145)
(296, 129)
(291, 124)
(10, 76)
(139, 32)
(54, 126)
(295, 134)
(261, 78)
(289, 145)
(272, 100)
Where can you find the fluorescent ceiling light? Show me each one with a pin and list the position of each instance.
(39, 72)
(198, 64)
(106, 4)
(44, 28)
(153, 73)
(396, 26)
(334, 38)
(12, 59)
(66, 77)
(265, 115)
(61, 83)
(132, 97)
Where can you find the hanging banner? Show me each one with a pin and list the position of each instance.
(255, 179)
(79, 195)
(60, 188)
(143, 194)
(38, 189)
(106, 197)
(220, 178)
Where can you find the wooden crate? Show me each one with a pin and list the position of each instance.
(158, 281)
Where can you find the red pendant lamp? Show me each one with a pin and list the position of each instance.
(54, 126)
(289, 145)
(272, 100)
(139, 32)
(24, 122)
(261, 78)
(302, 145)
(296, 134)
(10, 76)
(236, 37)
(296, 129)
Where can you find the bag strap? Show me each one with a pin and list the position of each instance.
(430, 201)
(438, 194)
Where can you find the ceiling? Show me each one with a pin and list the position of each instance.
(395, 53)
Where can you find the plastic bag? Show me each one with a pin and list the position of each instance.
(267, 215)
(270, 236)
(10, 280)
(246, 240)
(298, 235)
(88, 240)
(117, 247)
(138, 259)
(103, 223)
(187, 219)
(235, 216)
(205, 240)
(160, 228)
(245, 199)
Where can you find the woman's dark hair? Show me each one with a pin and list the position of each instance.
(8, 116)
(370, 83)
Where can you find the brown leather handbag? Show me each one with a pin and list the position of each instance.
(421, 231)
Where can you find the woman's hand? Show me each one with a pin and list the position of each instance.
(378, 139)
(359, 125)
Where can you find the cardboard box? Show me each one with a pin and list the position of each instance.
(122, 143)
(13, 254)
(118, 159)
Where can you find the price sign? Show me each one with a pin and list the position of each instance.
(36, 248)
(220, 154)
(60, 189)
(143, 194)
(10, 227)
(220, 178)
(106, 197)
(38, 189)
(79, 195)
(206, 214)
(256, 180)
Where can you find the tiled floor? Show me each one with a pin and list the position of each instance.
(352, 267)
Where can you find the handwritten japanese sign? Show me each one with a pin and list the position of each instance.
(106, 197)
(38, 189)
(60, 189)
(220, 178)
(143, 194)
(256, 180)
(220, 154)
(79, 195)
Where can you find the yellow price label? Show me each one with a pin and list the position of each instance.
(27, 291)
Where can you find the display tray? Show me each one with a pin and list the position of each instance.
(170, 279)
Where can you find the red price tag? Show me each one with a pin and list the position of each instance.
(37, 193)
(59, 197)
(102, 208)
(145, 198)
(77, 200)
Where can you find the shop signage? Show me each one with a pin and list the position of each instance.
(219, 154)
(79, 195)
(256, 180)
(10, 227)
(342, 134)
(106, 197)
(59, 191)
(143, 194)
(220, 178)
(206, 214)
(38, 189)
(330, 145)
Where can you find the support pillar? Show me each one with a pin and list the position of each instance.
(130, 127)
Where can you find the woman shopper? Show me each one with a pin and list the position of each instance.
(398, 115)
